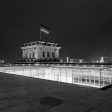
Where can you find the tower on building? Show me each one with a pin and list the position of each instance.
(40, 51)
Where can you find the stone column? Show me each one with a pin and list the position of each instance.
(40, 53)
(28, 53)
(36, 55)
(23, 52)
(31, 51)
(45, 54)
(57, 53)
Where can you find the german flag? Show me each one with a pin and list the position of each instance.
(44, 29)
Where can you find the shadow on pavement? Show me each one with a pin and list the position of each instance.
(51, 101)
(107, 87)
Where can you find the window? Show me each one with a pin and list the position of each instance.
(43, 54)
(48, 54)
(29, 55)
(53, 55)
(33, 55)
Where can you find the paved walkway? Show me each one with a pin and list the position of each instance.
(23, 94)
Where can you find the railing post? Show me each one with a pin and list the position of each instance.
(110, 76)
(60, 75)
(100, 79)
(66, 74)
(72, 75)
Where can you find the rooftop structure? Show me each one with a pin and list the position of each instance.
(40, 50)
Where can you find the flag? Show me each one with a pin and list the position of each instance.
(44, 29)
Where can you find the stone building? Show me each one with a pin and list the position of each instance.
(40, 51)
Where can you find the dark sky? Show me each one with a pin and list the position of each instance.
(82, 27)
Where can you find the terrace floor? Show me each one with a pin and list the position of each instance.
(24, 94)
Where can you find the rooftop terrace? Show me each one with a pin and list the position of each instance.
(19, 93)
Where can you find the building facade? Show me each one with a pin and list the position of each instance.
(40, 50)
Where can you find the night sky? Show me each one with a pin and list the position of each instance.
(83, 28)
